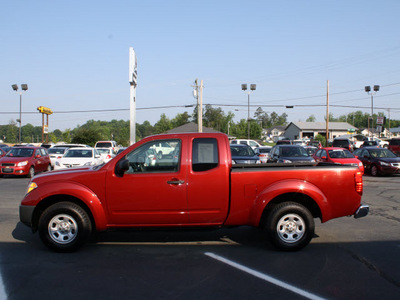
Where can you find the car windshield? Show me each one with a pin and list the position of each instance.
(293, 152)
(56, 150)
(242, 151)
(78, 153)
(381, 153)
(104, 151)
(20, 152)
(264, 150)
(340, 153)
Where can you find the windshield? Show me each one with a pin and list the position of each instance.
(78, 153)
(339, 153)
(242, 151)
(20, 152)
(293, 152)
(104, 151)
(56, 150)
(381, 153)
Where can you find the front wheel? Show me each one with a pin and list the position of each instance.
(64, 227)
(290, 226)
(31, 172)
(374, 170)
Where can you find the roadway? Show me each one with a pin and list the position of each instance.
(348, 259)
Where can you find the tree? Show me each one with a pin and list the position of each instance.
(85, 135)
(311, 118)
(180, 119)
(163, 125)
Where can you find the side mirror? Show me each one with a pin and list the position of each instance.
(97, 156)
(37, 156)
(121, 167)
(323, 157)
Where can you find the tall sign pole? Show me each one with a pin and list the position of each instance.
(132, 97)
(327, 113)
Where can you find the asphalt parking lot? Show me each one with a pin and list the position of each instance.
(348, 259)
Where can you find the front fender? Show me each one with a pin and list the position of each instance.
(289, 186)
(49, 193)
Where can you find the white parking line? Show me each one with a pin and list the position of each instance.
(265, 277)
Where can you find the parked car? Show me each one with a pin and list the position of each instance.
(79, 157)
(289, 154)
(2, 153)
(341, 156)
(243, 154)
(107, 144)
(284, 142)
(310, 150)
(56, 153)
(263, 153)
(5, 147)
(253, 144)
(373, 143)
(71, 145)
(26, 161)
(315, 143)
(343, 143)
(121, 150)
(378, 161)
(107, 153)
(394, 146)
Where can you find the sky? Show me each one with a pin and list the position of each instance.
(74, 56)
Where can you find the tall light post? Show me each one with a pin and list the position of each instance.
(372, 93)
(252, 88)
(24, 87)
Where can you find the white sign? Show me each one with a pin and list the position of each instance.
(380, 120)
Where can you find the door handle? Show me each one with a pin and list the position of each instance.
(176, 182)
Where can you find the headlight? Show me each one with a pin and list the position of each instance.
(22, 163)
(384, 164)
(31, 187)
(286, 161)
(57, 163)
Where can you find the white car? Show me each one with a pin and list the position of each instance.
(253, 144)
(107, 153)
(79, 157)
(56, 153)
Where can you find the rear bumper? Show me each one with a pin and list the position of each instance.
(362, 211)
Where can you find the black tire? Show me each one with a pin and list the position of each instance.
(374, 170)
(64, 227)
(159, 155)
(31, 172)
(290, 226)
(48, 168)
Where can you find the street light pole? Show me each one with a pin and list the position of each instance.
(24, 87)
(252, 88)
(372, 93)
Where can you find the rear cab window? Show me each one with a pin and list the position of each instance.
(204, 154)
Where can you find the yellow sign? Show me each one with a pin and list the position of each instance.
(45, 110)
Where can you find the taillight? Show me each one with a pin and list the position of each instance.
(108, 156)
(359, 182)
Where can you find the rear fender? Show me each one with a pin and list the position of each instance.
(284, 191)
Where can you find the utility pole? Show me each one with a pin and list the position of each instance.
(132, 94)
(327, 113)
(199, 96)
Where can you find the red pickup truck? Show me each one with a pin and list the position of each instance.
(191, 183)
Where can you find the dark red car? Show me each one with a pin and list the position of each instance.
(336, 155)
(26, 161)
(394, 146)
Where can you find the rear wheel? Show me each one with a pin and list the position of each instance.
(290, 226)
(64, 227)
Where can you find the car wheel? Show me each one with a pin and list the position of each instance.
(374, 170)
(290, 226)
(31, 172)
(64, 227)
(48, 168)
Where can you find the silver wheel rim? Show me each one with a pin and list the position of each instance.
(291, 228)
(63, 229)
(32, 172)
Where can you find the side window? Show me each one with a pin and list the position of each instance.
(204, 154)
(318, 153)
(243, 142)
(323, 153)
(37, 152)
(155, 157)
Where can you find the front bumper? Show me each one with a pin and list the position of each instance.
(362, 211)
(26, 214)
